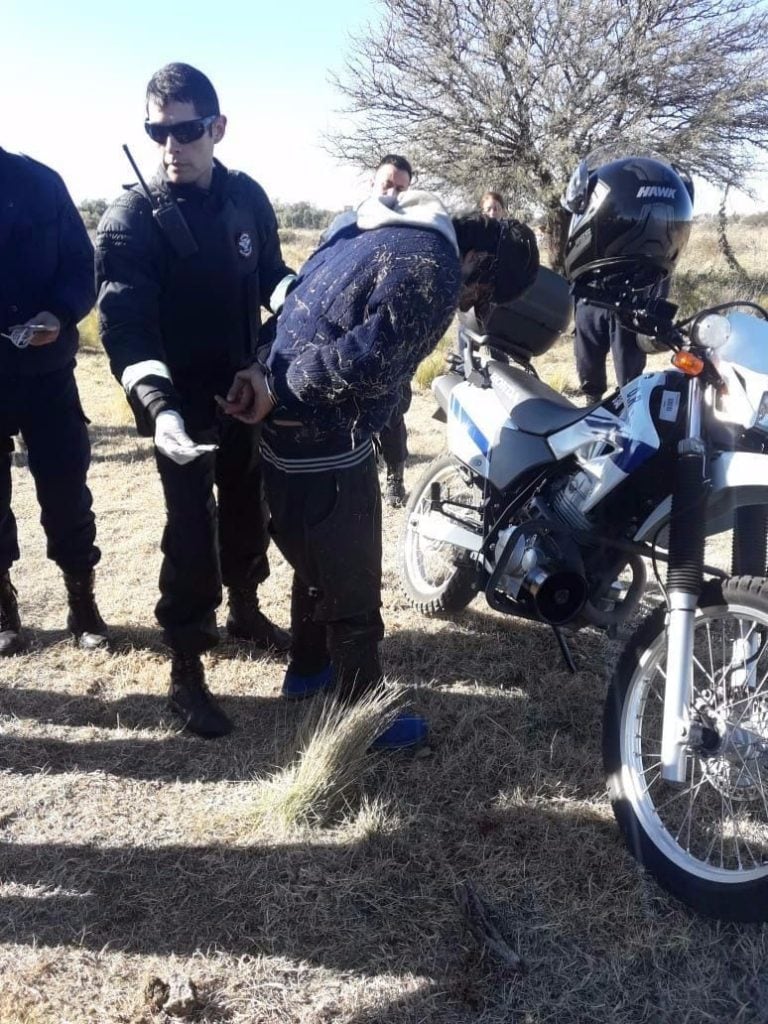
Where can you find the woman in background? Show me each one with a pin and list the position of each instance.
(492, 205)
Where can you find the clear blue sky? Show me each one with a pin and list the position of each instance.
(72, 80)
(73, 74)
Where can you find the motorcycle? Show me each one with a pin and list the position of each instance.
(553, 510)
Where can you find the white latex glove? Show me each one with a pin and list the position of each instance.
(172, 439)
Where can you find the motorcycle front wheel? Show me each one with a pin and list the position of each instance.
(705, 840)
(434, 579)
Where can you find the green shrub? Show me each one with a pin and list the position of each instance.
(90, 339)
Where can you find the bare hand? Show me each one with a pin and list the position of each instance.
(248, 400)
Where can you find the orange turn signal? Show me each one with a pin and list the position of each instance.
(689, 363)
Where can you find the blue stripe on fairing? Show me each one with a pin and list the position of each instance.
(634, 454)
(474, 432)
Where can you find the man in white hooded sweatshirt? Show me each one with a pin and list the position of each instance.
(368, 306)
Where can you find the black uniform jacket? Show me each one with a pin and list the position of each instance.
(46, 263)
(199, 314)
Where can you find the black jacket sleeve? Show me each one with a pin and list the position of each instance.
(129, 273)
(72, 295)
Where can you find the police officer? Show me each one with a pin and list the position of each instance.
(179, 310)
(599, 331)
(46, 287)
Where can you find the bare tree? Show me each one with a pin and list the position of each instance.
(510, 94)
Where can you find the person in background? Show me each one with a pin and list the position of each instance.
(392, 177)
(368, 306)
(180, 313)
(492, 205)
(46, 288)
(598, 332)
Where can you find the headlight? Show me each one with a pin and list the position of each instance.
(712, 331)
(762, 413)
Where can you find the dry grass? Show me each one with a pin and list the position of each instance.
(333, 746)
(128, 850)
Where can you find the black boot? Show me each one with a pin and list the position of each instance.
(190, 698)
(246, 621)
(394, 492)
(10, 623)
(83, 620)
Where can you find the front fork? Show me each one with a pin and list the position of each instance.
(687, 533)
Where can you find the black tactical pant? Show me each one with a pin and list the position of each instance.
(394, 437)
(46, 411)
(598, 331)
(328, 527)
(207, 542)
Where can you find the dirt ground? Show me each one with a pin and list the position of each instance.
(132, 855)
(130, 852)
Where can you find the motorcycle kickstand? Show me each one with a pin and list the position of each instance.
(565, 650)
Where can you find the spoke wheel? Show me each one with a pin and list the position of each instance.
(706, 839)
(436, 576)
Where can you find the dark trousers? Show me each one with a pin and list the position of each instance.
(46, 411)
(328, 527)
(206, 544)
(394, 437)
(598, 331)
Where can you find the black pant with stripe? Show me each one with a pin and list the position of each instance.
(327, 524)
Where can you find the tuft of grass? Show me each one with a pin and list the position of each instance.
(333, 744)
(375, 816)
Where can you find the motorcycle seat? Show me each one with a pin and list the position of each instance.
(532, 405)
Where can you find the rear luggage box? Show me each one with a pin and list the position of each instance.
(529, 325)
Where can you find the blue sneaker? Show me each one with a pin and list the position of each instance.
(407, 730)
(297, 687)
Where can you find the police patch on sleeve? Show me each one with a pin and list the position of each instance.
(244, 244)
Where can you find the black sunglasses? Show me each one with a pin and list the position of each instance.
(183, 132)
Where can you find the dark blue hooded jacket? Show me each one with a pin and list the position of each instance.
(46, 263)
(368, 306)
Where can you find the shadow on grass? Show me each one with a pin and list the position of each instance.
(262, 728)
(122, 639)
(137, 453)
(490, 650)
(118, 443)
(506, 799)
(599, 942)
(315, 901)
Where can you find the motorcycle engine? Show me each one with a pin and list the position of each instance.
(567, 500)
(534, 569)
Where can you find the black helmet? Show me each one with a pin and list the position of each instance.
(631, 220)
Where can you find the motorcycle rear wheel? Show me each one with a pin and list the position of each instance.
(433, 580)
(704, 840)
